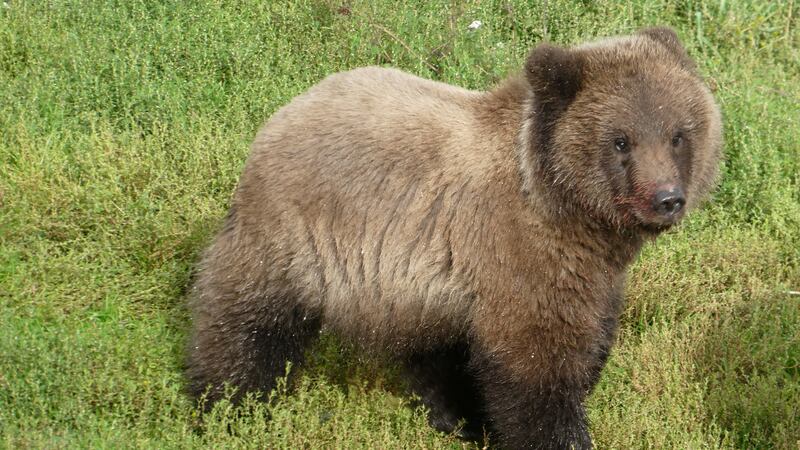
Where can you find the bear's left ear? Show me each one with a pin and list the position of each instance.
(668, 38)
(555, 75)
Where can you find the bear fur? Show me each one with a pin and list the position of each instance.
(480, 238)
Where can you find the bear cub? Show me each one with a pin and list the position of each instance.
(480, 238)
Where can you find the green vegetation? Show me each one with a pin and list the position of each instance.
(124, 125)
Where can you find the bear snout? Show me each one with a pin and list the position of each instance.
(668, 202)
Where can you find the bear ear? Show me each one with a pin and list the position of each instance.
(668, 38)
(554, 73)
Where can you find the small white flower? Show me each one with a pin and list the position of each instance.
(475, 25)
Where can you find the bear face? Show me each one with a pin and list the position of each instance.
(633, 112)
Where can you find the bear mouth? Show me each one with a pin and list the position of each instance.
(656, 228)
(654, 223)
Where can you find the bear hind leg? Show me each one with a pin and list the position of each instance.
(248, 321)
(241, 348)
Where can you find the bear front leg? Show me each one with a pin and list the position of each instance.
(440, 377)
(535, 372)
(533, 413)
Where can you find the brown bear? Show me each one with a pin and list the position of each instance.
(480, 238)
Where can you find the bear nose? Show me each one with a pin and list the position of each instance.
(669, 202)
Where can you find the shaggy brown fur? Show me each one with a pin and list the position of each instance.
(480, 237)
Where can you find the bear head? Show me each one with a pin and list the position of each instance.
(623, 129)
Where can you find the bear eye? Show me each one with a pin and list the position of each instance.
(621, 144)
(677, 140)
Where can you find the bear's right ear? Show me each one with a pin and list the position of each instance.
(669, 38)
(555, 74)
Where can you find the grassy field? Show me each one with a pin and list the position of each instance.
(123, 128)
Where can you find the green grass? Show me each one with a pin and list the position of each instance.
(124, 125)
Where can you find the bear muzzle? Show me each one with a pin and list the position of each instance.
(668, 202)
